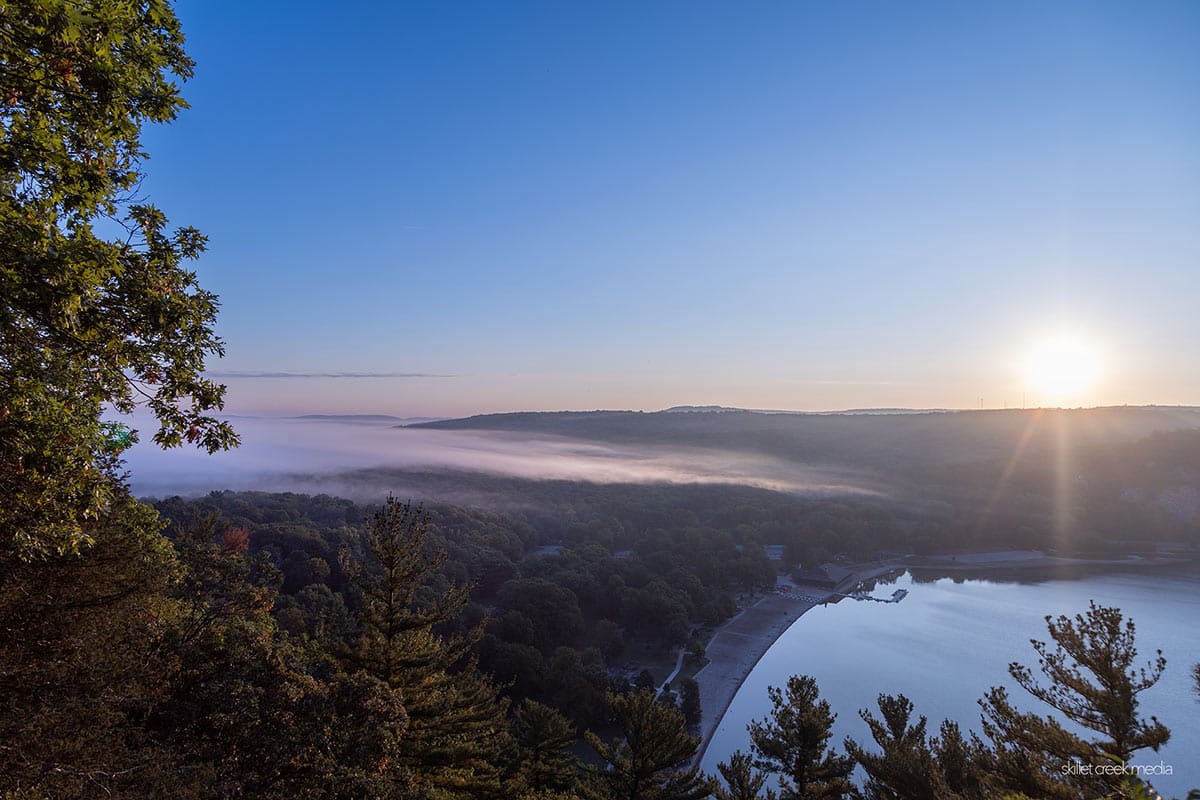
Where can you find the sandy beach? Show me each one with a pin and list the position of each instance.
(736, 647)
(739, 644)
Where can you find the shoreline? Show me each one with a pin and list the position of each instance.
(739, 644)
(736, 648)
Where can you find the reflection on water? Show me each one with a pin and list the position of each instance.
(951, 639)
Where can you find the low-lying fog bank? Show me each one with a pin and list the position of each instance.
(305, 455)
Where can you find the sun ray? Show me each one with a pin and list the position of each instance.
(1022, 442)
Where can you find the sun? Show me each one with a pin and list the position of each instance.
(1062, 369)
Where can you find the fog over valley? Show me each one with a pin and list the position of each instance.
(999, 469)
(307, 453)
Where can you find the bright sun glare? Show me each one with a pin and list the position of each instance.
(1061, 370)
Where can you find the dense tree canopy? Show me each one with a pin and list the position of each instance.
(95, 304)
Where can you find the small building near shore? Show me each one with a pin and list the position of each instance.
(827, 576)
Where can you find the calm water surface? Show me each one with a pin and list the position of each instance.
(951, 639)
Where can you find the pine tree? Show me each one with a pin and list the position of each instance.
(961, 761)
(545, 739)
(648, 761)
(742, 781)
(1094, 682)
(1025, 753)
(905, 768)
(793, 741)
(456, 732)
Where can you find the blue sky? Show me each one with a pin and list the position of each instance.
(801, 205)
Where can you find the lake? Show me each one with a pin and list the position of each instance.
(950, 640)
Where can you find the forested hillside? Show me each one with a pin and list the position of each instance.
(560, 591)
(883, 442)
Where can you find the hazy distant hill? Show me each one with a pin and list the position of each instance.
(876, 441)
(725, 409)
(367, 418)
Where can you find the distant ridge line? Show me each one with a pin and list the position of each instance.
(731, 411)
(726, 409)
